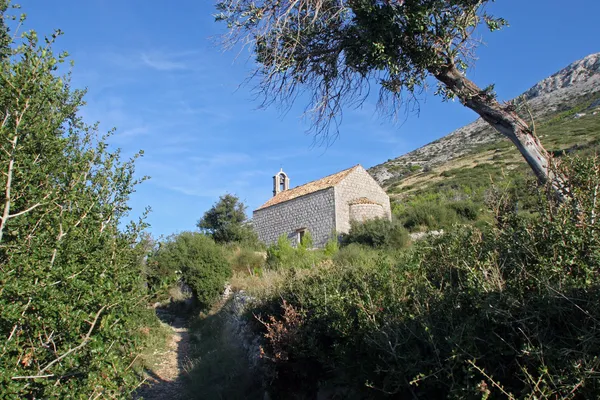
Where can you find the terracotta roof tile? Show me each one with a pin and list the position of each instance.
(307, 188)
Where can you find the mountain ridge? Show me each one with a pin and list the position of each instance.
(548, 96)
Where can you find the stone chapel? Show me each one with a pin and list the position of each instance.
(321, 207)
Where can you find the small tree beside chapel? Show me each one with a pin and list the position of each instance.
(226, 221)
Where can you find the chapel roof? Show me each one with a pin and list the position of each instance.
(307, 188)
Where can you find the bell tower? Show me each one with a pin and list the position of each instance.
(281, 182)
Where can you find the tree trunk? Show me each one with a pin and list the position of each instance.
(504, 120)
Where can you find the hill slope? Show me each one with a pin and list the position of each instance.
(556, 103)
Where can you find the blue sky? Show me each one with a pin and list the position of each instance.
(153, 71)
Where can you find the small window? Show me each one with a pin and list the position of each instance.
(300, 235)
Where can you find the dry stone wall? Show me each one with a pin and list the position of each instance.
(358, 184)
(313, 212)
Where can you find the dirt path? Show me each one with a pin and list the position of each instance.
(164, 381)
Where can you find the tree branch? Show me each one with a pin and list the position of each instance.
(85, 341)
(22, 212)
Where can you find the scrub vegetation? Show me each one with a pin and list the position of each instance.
(503, 304)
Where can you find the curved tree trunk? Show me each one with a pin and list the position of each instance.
(504, 119)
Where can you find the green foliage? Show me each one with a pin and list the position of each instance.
(201, 262)
(248, 260)
(306, 242)
(281, 254)
(358, 254)
(508, 312)
(160, 274)
(332, 246)
(376, 233)
(481, 175)
(465, 209)
(441, 209)
(226, 222)
(428, 215)
(71, 290)
(565, 115)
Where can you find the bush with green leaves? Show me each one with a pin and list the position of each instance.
(71, 292)
(510, 311)
(247, 260)
(332, 246)
(467, 210)
(377, 233)
(428, 215)
(283, 255)
(200, 261)
(360, 254)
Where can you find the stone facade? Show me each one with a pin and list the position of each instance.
(322, 207)
(358, 185)
(365, 212)
(313, 212)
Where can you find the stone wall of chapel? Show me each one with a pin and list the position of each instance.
(365, 212)
(356, 185)
(314, 211)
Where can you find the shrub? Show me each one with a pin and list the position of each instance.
(307, 241)
(428, 215)
(161, 277)
(248, 260)
(200, 260)
(332, 246)
(511, 311)
(355, 254)
(71, 290)
(376, 233)
(281, 254)
(465, 209)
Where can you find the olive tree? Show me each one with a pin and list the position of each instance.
(226, 221)
(336, 49)
(70, 282)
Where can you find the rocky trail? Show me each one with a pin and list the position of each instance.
(212, 356)
(165, 381)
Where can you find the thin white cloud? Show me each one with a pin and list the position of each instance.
(199, 176)
(162, 62)
(133, 132)
(217, 113)
(197, 191)
(221, 160)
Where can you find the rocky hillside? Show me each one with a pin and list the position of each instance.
(578, 82)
